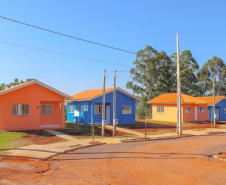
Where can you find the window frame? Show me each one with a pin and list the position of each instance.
(85, 108)
(160, 109)
(70, 108)
(186, 111)
(19, 110)
(99, 112)
(46, 109)
(203, 109)
(126, 109)
(81, 110)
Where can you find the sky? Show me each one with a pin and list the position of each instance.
(125, 24)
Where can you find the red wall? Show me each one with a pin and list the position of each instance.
(190, 117)
(33, 95)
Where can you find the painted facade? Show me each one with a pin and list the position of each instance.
(32, 106)
(220, 106)
(164, 108)
(83, 110)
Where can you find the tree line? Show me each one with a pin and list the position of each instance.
(16, 82)
(154, 73)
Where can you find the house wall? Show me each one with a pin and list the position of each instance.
(32, 95)
(170, 113)
(85, 116)
(121, 99)
(222, 106)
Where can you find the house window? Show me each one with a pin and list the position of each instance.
(97, 109)
(187, 110)
(81, 109)
(201, 109)
(126, 109)
(85, 107)
(160, 109)
(21, 109)
(71, 108)
(46, 109)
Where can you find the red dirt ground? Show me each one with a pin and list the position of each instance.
(155, 127)
(175, 161)
(42, 140)
(17, 168)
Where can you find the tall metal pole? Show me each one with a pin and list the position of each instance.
(214, 111)
(103, 107)
(114, 106)
(179, 115)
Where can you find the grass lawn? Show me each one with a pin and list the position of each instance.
(7, 137)
(13, 140)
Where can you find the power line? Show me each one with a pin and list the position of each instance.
(62, 34)
(60, 53)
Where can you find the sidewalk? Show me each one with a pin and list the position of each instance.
(49, 150)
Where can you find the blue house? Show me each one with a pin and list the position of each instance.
(87, 105)
(220, 107)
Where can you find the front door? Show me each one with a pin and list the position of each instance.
(196, 113)
(108, 114)
(217, 113)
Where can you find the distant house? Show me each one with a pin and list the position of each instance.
(164, 108)
(87, 105)
(220, 105)
(32, 106)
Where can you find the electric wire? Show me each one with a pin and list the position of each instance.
(61, 53)
(62, 34)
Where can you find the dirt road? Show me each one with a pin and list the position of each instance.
(173, 161)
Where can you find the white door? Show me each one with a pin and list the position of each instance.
(196, 113)
(108, 114)
(217, 113)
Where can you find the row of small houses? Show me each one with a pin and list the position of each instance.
(34, 105)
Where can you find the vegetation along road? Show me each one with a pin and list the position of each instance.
(173, 161)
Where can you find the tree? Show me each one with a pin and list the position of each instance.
(213, 69)
(2, 86)
(189, 70)
(152, 75)
(16, 82)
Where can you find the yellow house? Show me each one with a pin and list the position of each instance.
(164, 108)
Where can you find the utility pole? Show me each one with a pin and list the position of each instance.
(179, 115)
(114, 106)
(103, 107)
(214, 112)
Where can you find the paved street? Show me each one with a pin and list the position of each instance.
(173, 161)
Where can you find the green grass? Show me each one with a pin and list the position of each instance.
(7, 137)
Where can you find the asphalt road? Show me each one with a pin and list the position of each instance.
(172, 161)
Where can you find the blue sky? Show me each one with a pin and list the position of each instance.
(125, 24)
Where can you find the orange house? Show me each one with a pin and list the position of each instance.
(32, 106)
(164, 108)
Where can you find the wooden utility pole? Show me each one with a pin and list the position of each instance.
(114, 106)
(179, 115)
(214, 111)
(103, 107)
